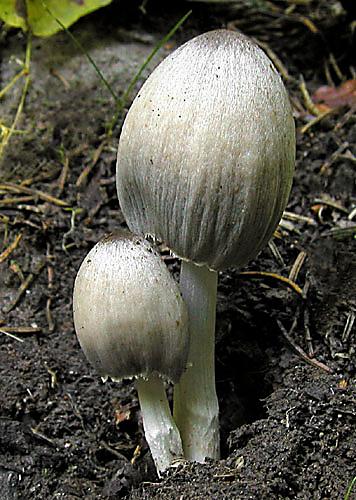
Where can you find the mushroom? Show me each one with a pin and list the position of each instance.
(205, 164)
(131, 322)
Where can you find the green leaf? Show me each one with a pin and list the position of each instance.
(13, 13)
(40, 16)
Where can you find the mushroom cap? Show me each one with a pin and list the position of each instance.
(207, 151)
(129, 315)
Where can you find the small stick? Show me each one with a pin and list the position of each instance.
(262, 274)
(307, 99)
(23, 287)
(85, 173)
(348, 156)
(60, 77)
(311, 361)
(17, 188)
(16, 201)
(22, 329)
(8, 251)
(10, 335)
(37, 209)
(327, 164)
(328, 74)
(336, 68)
(63, 176)
(297, 265)
(15, 268)
(74, 213)
(288, 226)
(348, 326)
(345, 118)
(308, 338)
(331, 203)
(316, 120)
(276, 253)
(50, 279)
(352, 214)
(307, 22)
(42, 436)
(302, 218)
(49, 317)
(53, 374)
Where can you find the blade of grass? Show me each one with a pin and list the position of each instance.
(121, 102)
(350, 488)
(26, 72)
(82, 49)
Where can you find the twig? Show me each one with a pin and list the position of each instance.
(276, 253)
(86, 171)
(301, 218)
(53, 374)
(282, 279)
(352, 214)
(5, 254)
(345, 118)
(297, 265)
(307, 99)
(74, 213)
(331, 203)
(10, 335)
(24, 286)
(63, 176)
(49, 317)
(112, 450)
(17, 188)
(16, 200)
(336, 68)
(42, 436)
(341, 233)
(316, 120)
(308, 338)
(327, 164)
(348, 326)
(22, 329)
(311, 361)
(60, 77)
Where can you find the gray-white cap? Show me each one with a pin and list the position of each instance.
(129, 315)
(207, 151)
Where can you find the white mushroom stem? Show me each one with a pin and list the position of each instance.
(161, 432)
(196, 409)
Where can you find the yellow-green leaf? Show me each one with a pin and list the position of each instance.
(40, 16)
(13, 13)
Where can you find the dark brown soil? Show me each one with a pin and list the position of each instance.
(285, 359)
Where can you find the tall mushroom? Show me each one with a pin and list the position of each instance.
(205, 164)
(131, 322)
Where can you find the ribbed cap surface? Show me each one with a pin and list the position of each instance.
(207, 151)
(129, 315)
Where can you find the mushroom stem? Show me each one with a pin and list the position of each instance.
(161, 432)
(196, 409)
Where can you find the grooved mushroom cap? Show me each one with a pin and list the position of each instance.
(129, 315)
(207, 151)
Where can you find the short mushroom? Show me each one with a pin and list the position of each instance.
(205, 164)
(131, 322)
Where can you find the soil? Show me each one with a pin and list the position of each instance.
(285, 356)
